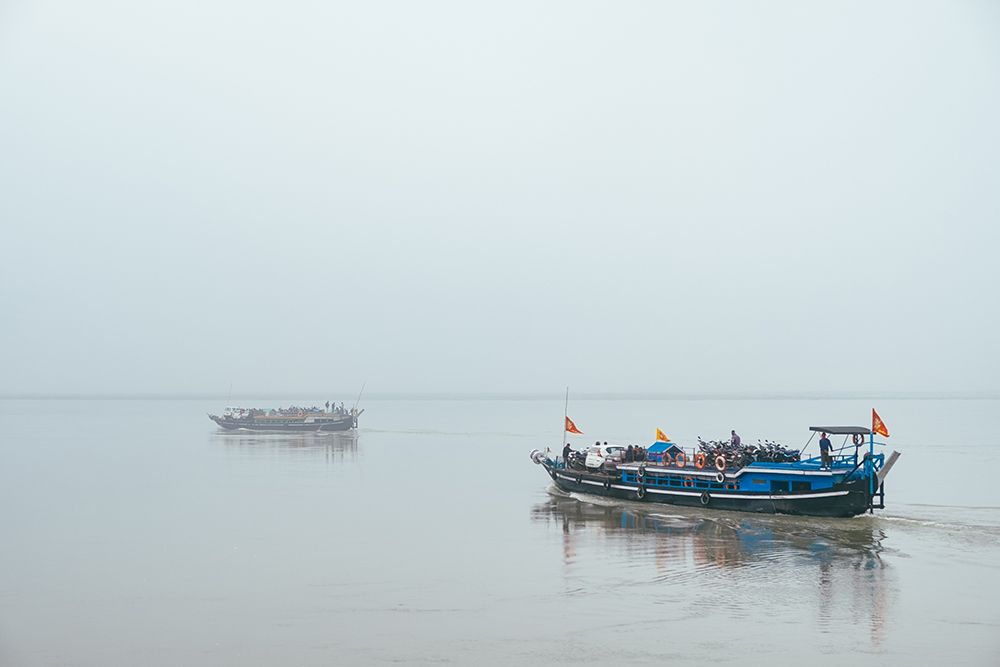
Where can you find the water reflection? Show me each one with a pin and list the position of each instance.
(332, 446)
(835, 564)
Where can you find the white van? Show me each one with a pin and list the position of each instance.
(597, 456)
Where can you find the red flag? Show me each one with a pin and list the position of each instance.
(878, 426)
(571, 427)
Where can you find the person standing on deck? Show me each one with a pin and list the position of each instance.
(566, 450)
(735, 439)
(824, 452)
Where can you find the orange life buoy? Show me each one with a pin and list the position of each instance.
(681, 460)
(699, 460)
(688, 481)
(720, 463)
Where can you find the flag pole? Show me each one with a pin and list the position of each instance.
(565, 416)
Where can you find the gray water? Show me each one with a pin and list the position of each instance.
(136, 533)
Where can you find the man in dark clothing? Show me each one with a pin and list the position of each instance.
(735, 439)
(629, 455)
(824, 452)
(566, 450)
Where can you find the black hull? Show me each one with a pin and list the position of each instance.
(246, 425)
(843, 500)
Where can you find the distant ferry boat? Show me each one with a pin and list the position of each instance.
(847, 485)
(289, 419)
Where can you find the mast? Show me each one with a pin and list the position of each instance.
(565, 416)
(359, 394)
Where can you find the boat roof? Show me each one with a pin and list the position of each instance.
(661, 446)
(841, 430)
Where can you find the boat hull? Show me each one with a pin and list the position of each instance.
(843, 500)
(285, 427)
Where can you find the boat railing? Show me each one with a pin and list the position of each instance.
(839, 460)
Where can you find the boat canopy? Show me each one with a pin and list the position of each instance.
(658, 447)
(841, 430)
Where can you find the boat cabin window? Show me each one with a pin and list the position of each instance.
(779, 486)
(802, 486)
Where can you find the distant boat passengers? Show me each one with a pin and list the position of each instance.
(735, 439)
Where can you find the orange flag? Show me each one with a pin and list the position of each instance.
(878, 426)
(571, 427)
(661, 436)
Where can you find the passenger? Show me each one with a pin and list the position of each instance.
(824, 452)
(640, 453)
(566, 450)
(629, 455)
(735, 440)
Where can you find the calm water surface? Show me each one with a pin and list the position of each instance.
(136, 533)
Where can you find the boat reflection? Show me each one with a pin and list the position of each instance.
(330, 445)
(838, 559)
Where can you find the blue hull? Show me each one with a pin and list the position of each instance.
(843, 499)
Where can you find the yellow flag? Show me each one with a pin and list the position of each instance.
(661, 436)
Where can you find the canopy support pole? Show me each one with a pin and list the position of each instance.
(807, 444)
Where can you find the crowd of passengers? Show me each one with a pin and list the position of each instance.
(635, 453)
(295, 411)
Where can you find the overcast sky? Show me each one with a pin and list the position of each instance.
(516, 196)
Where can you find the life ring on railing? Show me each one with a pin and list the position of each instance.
(858, 439)
(705, 497)
(666, 459)
(688, 481)
(681, 460)
(641, 492)
(699, 460)
(720, 462)
(720, 478)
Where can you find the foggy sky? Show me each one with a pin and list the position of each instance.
(515, 196)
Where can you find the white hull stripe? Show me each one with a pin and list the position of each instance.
(696, 494)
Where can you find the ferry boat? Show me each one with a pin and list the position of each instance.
(852, 484)
(292, 419)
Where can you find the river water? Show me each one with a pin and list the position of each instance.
(136, 533)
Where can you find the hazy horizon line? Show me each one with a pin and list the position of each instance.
(526, 395)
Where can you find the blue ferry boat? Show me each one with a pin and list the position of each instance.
(853, 482)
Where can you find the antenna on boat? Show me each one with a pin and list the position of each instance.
(359, 394)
